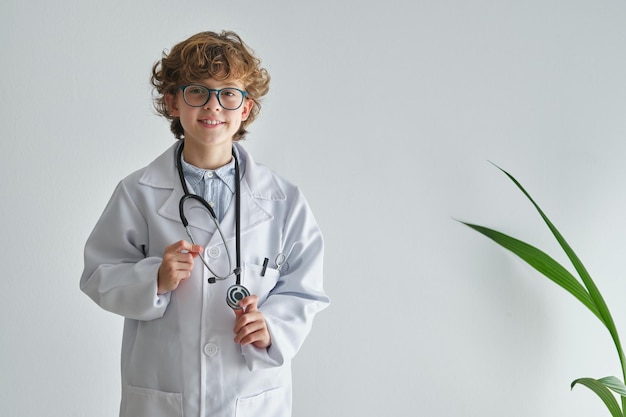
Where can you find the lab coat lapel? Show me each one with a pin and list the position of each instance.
(258, 184)
(198, 217)
(162, 174)
(252, 215)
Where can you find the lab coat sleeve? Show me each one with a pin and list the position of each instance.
(292, 304)
(117, 275)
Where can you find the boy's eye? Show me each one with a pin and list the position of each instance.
(196, 90)
(228, 93)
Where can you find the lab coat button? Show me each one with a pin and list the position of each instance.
(214, 252)
(210, 349)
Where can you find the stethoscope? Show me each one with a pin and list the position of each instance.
(237, 292)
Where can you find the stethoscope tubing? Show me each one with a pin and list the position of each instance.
(181, 207)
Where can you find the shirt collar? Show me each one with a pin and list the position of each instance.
(226, 173)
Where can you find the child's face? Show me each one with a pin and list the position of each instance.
(210, 124)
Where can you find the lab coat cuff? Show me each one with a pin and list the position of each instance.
(162, 299)
(261, 358)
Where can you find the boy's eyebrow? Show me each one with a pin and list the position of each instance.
(221, 84)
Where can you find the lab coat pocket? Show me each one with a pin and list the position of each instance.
(259, 280)
(144, 402)
(274, 402)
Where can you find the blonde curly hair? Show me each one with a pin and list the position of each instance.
(221, 56)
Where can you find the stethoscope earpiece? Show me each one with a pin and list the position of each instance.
(235, 294)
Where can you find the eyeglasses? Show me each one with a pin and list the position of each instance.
(198, 95)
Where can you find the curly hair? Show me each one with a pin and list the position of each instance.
(222, 56)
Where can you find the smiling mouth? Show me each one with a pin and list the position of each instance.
(211, 122)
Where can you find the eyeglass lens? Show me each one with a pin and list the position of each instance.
(228, 98)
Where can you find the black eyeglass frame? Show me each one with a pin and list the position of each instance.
(217, 93)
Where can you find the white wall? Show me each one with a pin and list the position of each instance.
(428, 317)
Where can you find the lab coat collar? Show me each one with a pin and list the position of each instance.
(258, 183)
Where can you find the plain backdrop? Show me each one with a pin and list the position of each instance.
(386, 114)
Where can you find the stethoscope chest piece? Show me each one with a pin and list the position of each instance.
(235, 294)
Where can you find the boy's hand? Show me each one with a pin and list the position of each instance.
(176, 265)
(250, 325)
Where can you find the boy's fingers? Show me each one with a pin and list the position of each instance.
(181, 245)
(196, 250)
(184, 246)
(249, 303)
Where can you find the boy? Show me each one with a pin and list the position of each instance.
(214, 311)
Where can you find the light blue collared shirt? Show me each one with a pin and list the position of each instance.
(217, 186)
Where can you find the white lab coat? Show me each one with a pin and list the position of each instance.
(178, 353)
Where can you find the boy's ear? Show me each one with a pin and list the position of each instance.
(170, 101)
(247, 108)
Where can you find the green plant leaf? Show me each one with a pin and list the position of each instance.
(543, 263)
(594, 293)
(587, 292)
(603, 392)
(614, 384)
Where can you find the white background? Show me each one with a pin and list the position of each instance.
(386, 114)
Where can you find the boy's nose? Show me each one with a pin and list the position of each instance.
(213, 102)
